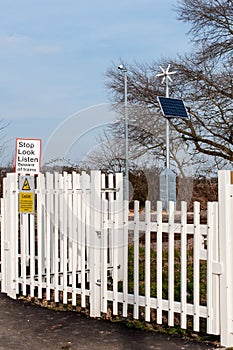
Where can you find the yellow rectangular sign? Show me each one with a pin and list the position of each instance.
(26, 202)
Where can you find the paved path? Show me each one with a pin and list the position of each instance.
(29, 327)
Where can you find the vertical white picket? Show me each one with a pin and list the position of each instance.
(40, 193)
(69, 225)
(51, 228)
(159, 263)
(49, 185)
(136, 260)
(212, 278)
(56, 238)
(196, 267)
(65, 236)
(4, 245)
(171, 265)
(12, 208)
(104, 256)
(88, 225)
(106, 213)
(61, 206)
(79, 213)
(119, 215)
(209, 266)
(9, 198)
(85, 185)
(110, 214)
(32, 253)
(216, 277)
(183, 265)
(115, 258)
(125, 259)
(5, 238)
(95, 245)
(9, 237)
(23, 244)
(74, 235)
(147, 260)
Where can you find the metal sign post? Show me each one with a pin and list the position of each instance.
(167, 183)
(166, 77)
(171, 108)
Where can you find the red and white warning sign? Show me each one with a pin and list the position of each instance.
(28, 156)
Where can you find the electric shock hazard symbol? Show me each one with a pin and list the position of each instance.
(26, 183)
(26, 186)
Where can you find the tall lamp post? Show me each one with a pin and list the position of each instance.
(126, 187)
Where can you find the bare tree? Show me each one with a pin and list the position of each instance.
(6, 160)
(211, 25)
(108, 154)
(203, 80)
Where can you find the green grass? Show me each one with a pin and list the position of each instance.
(165, 274)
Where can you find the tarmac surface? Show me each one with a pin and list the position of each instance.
(24, 326)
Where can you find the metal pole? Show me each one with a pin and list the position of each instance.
(126, 139)
(166, 77)
(168, 189)
(126, 178)
(167, 131)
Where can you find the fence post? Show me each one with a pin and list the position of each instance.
(225, 188)
(4, 245)
(95, 245)
(9, 236)
(119, 216)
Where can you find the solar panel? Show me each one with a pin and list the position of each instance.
(172, 107)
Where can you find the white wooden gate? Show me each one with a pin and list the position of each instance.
(57, 250)
(82, 246)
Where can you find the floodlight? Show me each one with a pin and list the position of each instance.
(122, 67)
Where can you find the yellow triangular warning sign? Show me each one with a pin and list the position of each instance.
(26, 186)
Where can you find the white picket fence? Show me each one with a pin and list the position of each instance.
(81, 246)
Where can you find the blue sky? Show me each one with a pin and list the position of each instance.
(54, 55)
